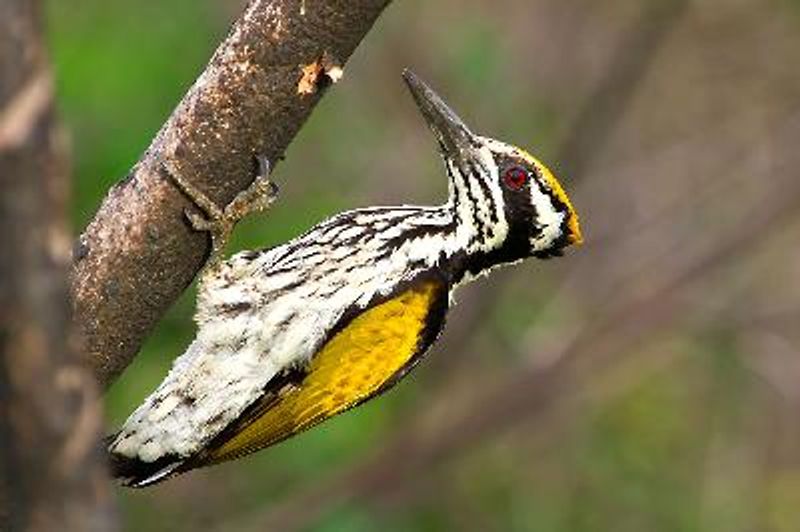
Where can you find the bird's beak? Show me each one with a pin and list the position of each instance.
(456, 139)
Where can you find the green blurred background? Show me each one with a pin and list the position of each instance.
(649, 380)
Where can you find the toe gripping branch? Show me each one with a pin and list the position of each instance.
(219, 223)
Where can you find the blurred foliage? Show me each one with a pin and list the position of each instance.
(684, 425)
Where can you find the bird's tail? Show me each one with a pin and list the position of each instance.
(136, 473)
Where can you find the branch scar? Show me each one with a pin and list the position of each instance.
(318, 75)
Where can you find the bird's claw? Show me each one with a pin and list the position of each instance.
(219, 223)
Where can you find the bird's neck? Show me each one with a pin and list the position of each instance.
(478, 238)
(472, 238)
(477, 208)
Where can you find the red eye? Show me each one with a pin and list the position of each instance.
(515, 178)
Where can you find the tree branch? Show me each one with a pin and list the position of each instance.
(51, 466)
(138, 254)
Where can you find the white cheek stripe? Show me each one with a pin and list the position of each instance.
(549, 220)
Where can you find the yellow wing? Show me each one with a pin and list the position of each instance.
(367, 356)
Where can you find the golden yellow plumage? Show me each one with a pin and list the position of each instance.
(352, 367)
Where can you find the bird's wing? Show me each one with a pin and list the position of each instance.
(366, 354)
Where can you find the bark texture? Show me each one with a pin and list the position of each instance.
(51, 468)
(138, 254)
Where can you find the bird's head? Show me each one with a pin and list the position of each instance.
(507, 203)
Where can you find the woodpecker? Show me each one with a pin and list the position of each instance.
(292, 335)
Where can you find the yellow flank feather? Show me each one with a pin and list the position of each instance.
(351, 367)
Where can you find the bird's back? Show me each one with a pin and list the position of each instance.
(263, 314)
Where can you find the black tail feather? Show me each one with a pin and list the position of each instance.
(136, 473)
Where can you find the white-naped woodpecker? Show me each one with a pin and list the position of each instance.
(290, 336)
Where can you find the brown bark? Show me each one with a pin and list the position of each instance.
(138, 254)
(51, 467)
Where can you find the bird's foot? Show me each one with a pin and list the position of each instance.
(219, 223)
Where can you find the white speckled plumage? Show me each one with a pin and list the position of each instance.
(233, 357)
